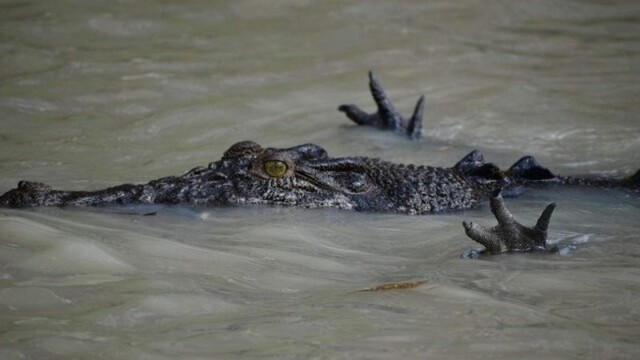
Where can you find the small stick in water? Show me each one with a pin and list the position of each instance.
(395, 286)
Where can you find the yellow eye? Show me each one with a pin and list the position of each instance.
(275, 168)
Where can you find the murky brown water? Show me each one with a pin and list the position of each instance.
(98, 93)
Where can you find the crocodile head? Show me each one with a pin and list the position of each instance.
(300, 176)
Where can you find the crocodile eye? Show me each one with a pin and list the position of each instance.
(275, 168)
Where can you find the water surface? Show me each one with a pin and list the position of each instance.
(100, 93)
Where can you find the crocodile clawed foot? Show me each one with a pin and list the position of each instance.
(387, 117)
(509, 235)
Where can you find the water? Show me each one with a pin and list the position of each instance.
(99, 93)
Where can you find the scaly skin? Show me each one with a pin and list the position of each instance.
(306, 176)
(311, 180)
(386, 117)
(509, 235)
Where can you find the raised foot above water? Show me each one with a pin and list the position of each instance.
(387, 117)
(509, 235)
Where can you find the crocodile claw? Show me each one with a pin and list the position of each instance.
(509, 235)
(387, 117)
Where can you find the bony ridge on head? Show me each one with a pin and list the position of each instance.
(242, 148)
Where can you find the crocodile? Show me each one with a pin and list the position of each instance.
(306, 176)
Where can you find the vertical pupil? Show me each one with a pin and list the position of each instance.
(275, 168)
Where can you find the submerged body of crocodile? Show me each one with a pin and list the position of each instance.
(306, 176)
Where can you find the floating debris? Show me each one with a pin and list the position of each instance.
(396, 286)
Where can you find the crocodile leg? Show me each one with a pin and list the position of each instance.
(387, 117)
(509, 235)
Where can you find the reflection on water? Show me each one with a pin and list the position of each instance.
(101, 93)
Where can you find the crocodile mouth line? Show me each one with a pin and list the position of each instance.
(314, 180)
(330, 184)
